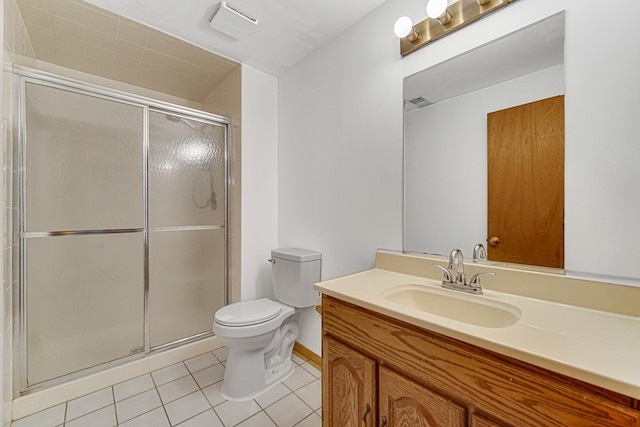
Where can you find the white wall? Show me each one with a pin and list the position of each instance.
(340, 137)
(340, 156)
(445, 175)
(259, 180)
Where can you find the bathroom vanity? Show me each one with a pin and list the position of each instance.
(388, 362)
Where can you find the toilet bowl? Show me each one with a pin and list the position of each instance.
(260, 333)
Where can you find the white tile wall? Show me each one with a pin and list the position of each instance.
(16, 41)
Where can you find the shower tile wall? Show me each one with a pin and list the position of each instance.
(78, 35)
(16, 43)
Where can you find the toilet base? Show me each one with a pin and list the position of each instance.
(248, 373)
(256, 383)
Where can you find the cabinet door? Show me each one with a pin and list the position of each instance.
(406, 403)
(348, 386)
(478, 420)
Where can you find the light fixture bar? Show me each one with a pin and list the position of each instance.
(462, 12)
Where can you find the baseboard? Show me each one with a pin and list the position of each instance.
(308, 355)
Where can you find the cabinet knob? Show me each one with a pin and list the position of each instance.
(384, 421)
(366, 412)
(494, 241)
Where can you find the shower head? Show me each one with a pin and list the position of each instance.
(178, 119)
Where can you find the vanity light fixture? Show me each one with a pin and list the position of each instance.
(404, 29)
(442, 19)
(437, 9)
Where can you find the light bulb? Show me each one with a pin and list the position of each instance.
(436, 9)
(403, 27)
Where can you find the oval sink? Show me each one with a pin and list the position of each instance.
(454, 305)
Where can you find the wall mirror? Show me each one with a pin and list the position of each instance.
(446, 111)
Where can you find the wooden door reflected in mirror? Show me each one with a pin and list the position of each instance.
(525, 146)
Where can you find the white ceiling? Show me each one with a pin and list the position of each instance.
(288, 30)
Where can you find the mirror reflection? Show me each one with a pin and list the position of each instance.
(447, 147)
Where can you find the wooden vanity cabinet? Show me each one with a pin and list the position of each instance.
(350, 378)
(409, 376)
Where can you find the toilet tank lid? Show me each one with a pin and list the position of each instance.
(298, 255)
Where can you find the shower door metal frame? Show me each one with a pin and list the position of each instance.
(24, 75)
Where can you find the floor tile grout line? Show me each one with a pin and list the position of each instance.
(66, 408)
(115, 409)
(136, 394)
(164, 409)
(155, 386)
(269, 416)
(189, 394)
(139, 415)
(88, 413)
(196, 415)
(302, 420)
(304, 401)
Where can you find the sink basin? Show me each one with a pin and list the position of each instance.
(472, 309)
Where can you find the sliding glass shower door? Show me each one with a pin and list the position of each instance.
(122, 229)
(186, 226)
(82, 231)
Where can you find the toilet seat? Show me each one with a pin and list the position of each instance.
(247, 313)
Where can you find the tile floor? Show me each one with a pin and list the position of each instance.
(187, 394)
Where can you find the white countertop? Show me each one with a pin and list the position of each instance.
(597, 347)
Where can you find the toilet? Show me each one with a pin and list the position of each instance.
(260, 333)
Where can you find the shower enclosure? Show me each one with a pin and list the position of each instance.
(122, 206)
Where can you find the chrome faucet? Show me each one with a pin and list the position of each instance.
(479, 253)
(456, 262)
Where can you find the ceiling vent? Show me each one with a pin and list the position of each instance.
(417, 102)
(233, 22)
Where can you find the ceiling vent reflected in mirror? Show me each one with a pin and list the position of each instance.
(418, 102)
(533, 48)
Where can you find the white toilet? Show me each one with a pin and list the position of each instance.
(260, 333)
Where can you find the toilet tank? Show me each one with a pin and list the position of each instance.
(293, 272)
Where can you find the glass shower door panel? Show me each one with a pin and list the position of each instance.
(186, 171)
(84, 164)
(187, 282)
(85, 302)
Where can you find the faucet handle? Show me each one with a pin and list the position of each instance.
(479, 253)
(475, 279)
(447, 274)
